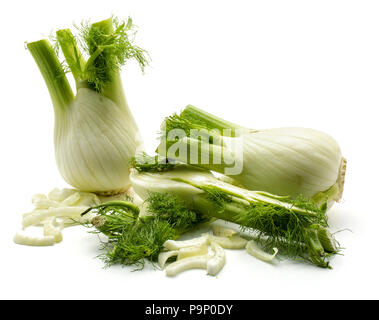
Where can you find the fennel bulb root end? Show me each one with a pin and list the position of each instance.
(341, 178)
(335, 192)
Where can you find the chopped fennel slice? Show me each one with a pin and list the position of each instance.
(60, 194)
(50, 229)
(40, 201)
(197, 258)
(195, 262)
(193, 254)
(53, 212)
(71, 200)
(223, 231)
(179, 244)
(217, 262)
(195, 250)
(253, 249)
(164, 256)
(233, 242)
(40, 215)
(23, 238)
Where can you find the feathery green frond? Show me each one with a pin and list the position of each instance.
(132, 239)
(109, 45)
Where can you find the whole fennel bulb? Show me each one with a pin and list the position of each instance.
(95, 134)
(282, 161)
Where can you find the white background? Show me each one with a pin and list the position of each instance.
(257, 63)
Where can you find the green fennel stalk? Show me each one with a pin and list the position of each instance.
(51, 69)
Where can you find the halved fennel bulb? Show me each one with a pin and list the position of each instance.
(296, 227)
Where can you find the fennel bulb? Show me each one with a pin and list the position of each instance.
(283, 161)
(95, 134)
(296, 227)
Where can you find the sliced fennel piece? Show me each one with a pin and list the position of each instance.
(179, 244)
(60, 195)
(198, 249)
(41, 214)
(71, 200)
(217, 262)
(233, 242)
(50, 229)
(221, 231)
(194, 257)
(53, 212)
(164, 256)
(40, 201)
(192, 251)
(32, 240)
(193, 254)
(253, 249)
(195, 262)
